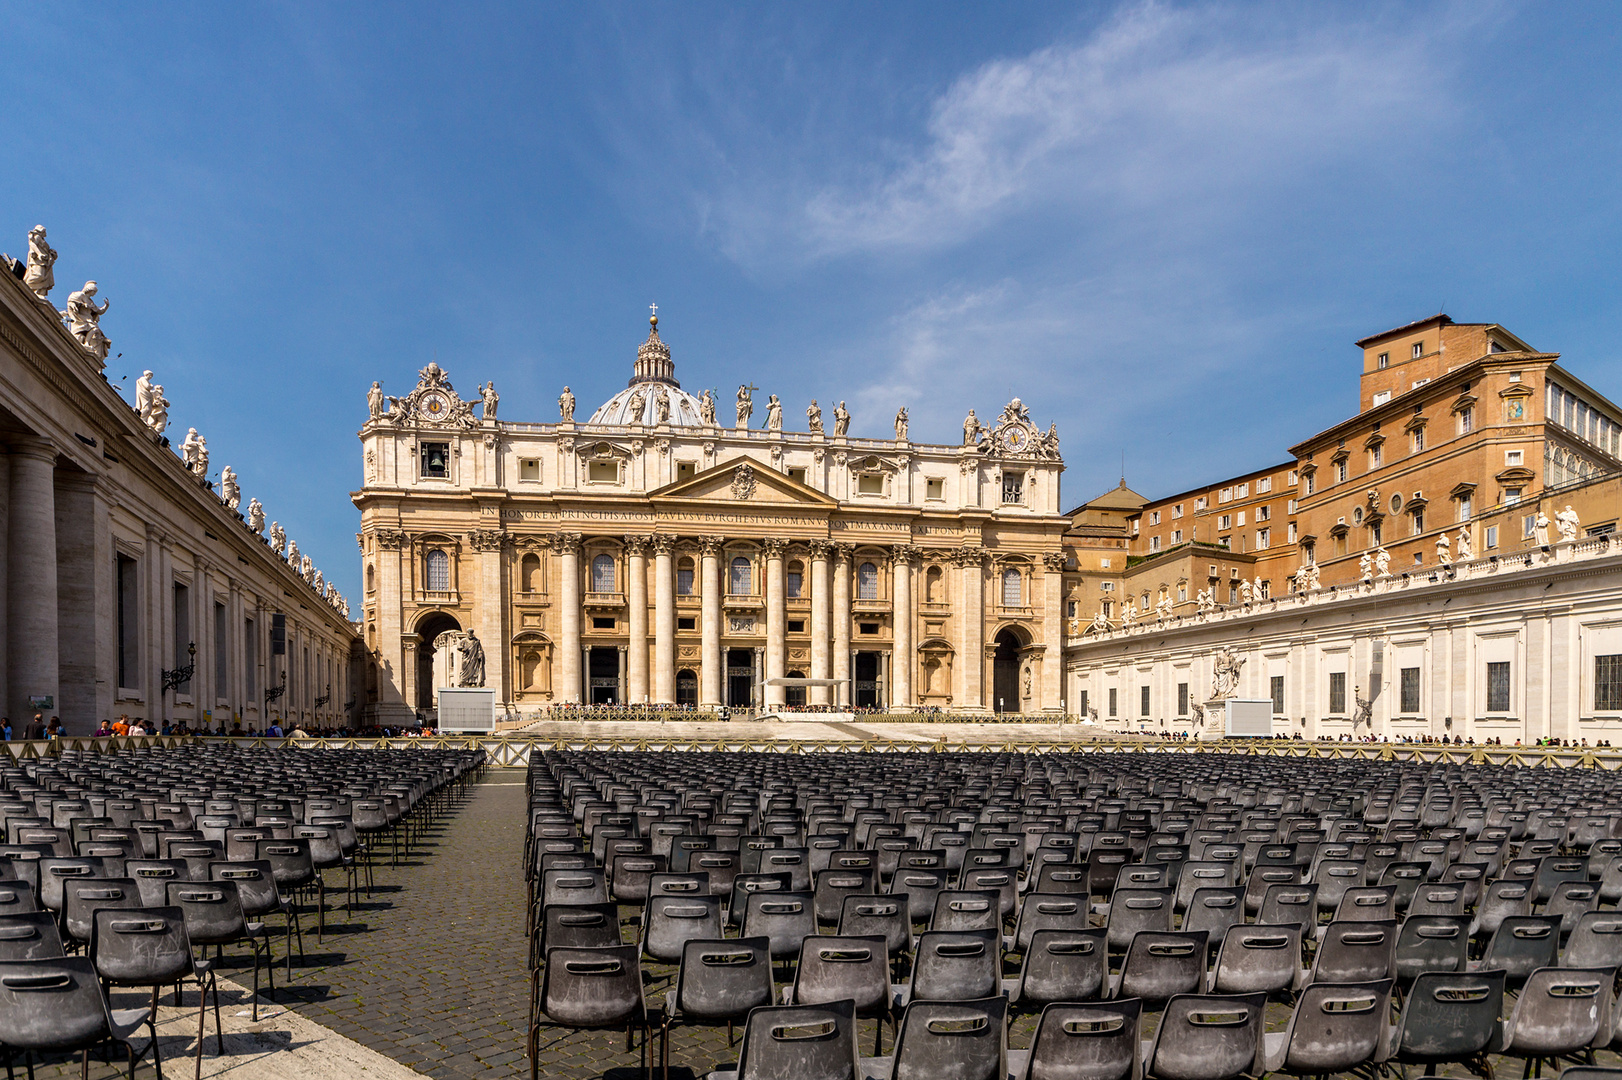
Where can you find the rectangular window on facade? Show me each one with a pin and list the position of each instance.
(687, 623)
(797, 475)
(1528, 526)
(529, 469)
(1514, 457)
(129, 609)
(685, 469)
(1410, 691)
(1608, 683)
(1112, 701)
(1177, 536)
(1275, 686)
(935, 489)
(1418, 439)
(1264, 485)
(1382, 361)
(868, 627)
(1070, 609)
(1182, 699)
(1376, 535)
(1340, 472)
(1292, 532)
(222, 652)
(1419, 522)
(1081, 703)
(1225, 495)
(1312, 483)
(1467, 420)
(870, 484)
(1263, 538)
(1242, 491)
(793, 581)
(602, 622)
(1177, 511)
(1337, 693)
(603, 472)
(1202, 502)
(1419, 349)
(1498, 687)
(1154, 517)
(1143, 701)
(1264, 513)
(182, 636)
(1013, 487)
(436, 460)
(250, 660)
(1492, 536)
(1225, 521)
(1381, 398)
(1512, 496)
(1464, 507)
(796, 626)
(1154, 543)
(1239, 519)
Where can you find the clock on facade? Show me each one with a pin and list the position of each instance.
(1015, 438)
(434, 406)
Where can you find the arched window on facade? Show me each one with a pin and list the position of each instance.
(739, 583)
(1011, 587)
(867, 582)
(529, 573)
(795, 580)
(684, 577)
(934, 588)
(371, 579)
(437, 571)
(602, 574)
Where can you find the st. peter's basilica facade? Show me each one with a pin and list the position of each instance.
(652, 554)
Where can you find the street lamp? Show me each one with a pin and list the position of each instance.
(180, 676)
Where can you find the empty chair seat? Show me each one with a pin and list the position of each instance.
(1207, 1037)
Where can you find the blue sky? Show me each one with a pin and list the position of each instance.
(1162, 225)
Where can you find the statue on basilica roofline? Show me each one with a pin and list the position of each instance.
(143, 397)
(706, 407)
(319, 582)
(746, 405)
(292, 554)
(488, 395)
(157, 413)
(1467, 549)
(566, 406)
(1382, 562)
(901, 424)
(306, 567)
(256, 515)
(1540, 529)
(191, 449)
(841, 420)
(1444, 550)
(84, 320)
(972, 429)
(230, 490)
(374, 401)
(774, 414)
(661, 406)
(1365, 567)
(38, 275)
(813, 417)
(278, 538)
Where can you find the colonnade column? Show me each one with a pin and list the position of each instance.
(569, 603)
(819, 621)
(901, 616)
(709, 678)
(1053, 623)
(841, 617)
(971, 662)
(31, 602)
(637, 596)
(776, 613)
(664, 623)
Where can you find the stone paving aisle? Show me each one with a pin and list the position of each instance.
(432, 972)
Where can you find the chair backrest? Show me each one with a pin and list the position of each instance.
(1431, 943)
(953, 1040)
(1133, 909)
(1521, 945)
(582, 926)
(83, 898)
(724, 979)
(1063, 965)
(884, 916)
(255, 882)
(1257, 958)
(54, 872)
(1562, 1011)
(1205, 874)
(957, 965)
(958, 910)
(17, 897)
(1437, 898)
(592, 988)
(29, 935)
(52, 1004)
(1048, 911)
(573, 887)
(1356, 952)
(1290, 905)
(1596, 941)
(212, 909)
(797, 1042)
(831, 885)
(1367, 903)
(1159, 965)
(1095, 1042)
(146, 946)
(1571, 900)
(1451, 1016)
(784, 919)
(921, 887)
(1501, 898)
(1208, 1037)
(835, 968)
(672, 921)
(152, 876)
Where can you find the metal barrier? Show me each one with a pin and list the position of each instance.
(513, 751)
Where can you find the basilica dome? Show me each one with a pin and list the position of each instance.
(653, 396)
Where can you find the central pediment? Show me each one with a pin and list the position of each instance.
(742, 480)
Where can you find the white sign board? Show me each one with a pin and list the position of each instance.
(467, 708)
(1249, 718)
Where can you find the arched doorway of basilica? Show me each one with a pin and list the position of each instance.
(1005, 672)
(740, 678)
(428, 629)
(686, 687)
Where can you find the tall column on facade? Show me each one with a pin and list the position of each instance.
(5, 529)
(1053, 630)
(568, 545)
(819, 621)
(901, 616)
(709, 677)
(757, 698)
(31, 601)
(971, 660)
(776, 613)
(636, 547)
(490, 615)
(620, 693)
(841, 617)
(664, 623)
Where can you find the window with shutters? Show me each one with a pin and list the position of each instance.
(438, 571)
(602, 574)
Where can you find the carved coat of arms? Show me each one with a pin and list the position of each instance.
(743, 482)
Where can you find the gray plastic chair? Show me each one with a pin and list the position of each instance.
(30, 935)
(1207, 1037)
(1159, 966)
(784, 919)
(800, 1042)
(1335, 1028)
(719, 982)
(673, 921)
(1356, 952)
(1521, 945)
(1258, 959)
(877, 916)
(955, 966)
(58, 1005)
(1047, 911)
(1214, 911)
(1561, 1011)
(1596, 941)
(948, 1040)
(845, 969)
(1451, 1017)
(1086, 1042)
(589, 989)
(1132, 910)
(956, 911)
(1431, 943)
